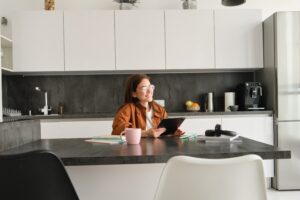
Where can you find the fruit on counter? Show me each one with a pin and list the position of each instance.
(189, 103)
(195, 105)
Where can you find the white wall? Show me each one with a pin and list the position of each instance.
(8, 7)
(1, 114)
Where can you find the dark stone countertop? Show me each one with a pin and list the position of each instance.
(111, 115)
(79, 152)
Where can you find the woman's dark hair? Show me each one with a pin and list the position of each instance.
(132, 83)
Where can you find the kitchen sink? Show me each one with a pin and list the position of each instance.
(46, 115)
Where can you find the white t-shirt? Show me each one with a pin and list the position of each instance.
(149, 115)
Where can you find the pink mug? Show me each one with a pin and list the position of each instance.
(132, 135)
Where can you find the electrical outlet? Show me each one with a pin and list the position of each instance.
(160, 102)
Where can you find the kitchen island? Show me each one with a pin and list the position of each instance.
(121, 171)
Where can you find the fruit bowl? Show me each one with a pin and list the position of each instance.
(192, 106)
(193, 109)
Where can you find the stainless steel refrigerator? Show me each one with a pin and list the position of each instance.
(281, 81)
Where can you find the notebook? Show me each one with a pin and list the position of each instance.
(109, 139)
(222, 138)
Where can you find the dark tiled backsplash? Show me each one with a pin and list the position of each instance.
(105, 93)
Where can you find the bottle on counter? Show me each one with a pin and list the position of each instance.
(61, 108)
(210, 105)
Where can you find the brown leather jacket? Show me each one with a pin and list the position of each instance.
(134, 116)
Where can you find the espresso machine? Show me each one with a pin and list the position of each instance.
(249, 96)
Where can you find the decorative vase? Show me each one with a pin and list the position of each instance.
(189, 4)
(127, 6)
(49, 4)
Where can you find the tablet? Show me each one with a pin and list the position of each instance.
(171, 124)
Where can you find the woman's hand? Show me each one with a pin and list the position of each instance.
(179, 132)
(153, 132)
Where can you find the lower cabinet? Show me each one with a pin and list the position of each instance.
(259, 128)
(90, 181)
(199, 124)
(75, 128)
(256, 127)
(115, 182)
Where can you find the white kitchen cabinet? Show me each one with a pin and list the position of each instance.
(91, 181)
(259, 128)
(256, 127)
(199, 124)
(38, 41)
(189, 39)
(238, 39)
(140, 39)
(89, 40)
(75, 128)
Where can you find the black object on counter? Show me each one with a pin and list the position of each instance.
(232, 2)
(249, 96)
(218, 132)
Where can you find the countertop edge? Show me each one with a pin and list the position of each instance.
(109, 116)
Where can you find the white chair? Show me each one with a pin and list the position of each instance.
(188, 178)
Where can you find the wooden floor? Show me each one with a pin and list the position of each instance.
(283, 195)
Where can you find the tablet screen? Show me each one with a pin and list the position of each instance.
(171, 124)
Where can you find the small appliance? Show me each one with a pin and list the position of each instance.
(249, 96)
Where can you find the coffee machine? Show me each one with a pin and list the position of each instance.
(249, 96)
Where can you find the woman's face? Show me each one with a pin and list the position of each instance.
(144, 91)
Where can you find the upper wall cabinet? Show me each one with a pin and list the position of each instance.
(238, 39)
(89, 40)
(189, 39)
(137, 40)
(140, 41)
(38, 41)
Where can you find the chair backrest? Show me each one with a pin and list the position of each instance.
(238, 178)
(36, 175)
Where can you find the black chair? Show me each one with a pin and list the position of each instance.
(35, 175)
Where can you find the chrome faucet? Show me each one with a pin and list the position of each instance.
(45, 109)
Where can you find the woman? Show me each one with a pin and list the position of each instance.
(139, 110)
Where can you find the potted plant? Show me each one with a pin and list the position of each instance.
(126, 4)
(189, 4)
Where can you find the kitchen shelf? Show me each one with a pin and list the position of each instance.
(6, 70)
(5, 42)
(6, 54)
